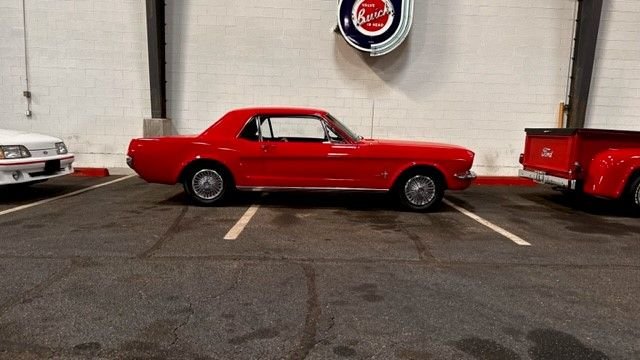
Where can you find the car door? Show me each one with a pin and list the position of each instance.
(298, 153)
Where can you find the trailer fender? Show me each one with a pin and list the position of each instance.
(610, 172)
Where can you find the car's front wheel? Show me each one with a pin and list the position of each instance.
(206, 185)
(420, 190)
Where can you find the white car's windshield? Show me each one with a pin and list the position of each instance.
(344, 129)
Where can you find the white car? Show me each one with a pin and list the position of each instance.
(27, 158)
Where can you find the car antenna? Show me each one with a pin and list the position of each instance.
(373, 114)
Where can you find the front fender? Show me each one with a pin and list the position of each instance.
(609, 172)
(447, 169)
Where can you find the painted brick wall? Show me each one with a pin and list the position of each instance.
(88, 73)
(474, 73)
(615, 90)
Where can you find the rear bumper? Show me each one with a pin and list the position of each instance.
(467, 175)
(34, 169)
(542, 178)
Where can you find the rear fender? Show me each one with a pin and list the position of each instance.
(610, 171)
(220, 156)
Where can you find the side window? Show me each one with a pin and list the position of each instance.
(294, 129)
(266, 129)
(250, 131)
(334, 137)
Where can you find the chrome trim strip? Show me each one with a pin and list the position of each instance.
(542, 178)
(291, 188)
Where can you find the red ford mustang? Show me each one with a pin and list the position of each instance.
(269, 149)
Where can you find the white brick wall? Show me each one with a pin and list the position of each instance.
(475, 73)
(615, 90)
(88, 73)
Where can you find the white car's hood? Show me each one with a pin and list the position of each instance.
(30, 140)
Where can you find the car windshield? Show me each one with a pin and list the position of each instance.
(344, 129)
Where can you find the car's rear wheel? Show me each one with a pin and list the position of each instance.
(420, 190)
(633, 195)
(206, 185)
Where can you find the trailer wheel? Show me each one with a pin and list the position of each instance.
(634, 194)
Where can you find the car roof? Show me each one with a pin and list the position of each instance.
(281, 110)
(233, 121)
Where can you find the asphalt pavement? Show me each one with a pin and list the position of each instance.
(132, 270)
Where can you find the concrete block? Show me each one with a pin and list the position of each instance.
(156, 127)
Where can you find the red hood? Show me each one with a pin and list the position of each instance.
(420, 150)
(418, 144)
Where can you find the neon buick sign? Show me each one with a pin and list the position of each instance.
(375, 26)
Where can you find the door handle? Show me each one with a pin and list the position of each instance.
(266, 147)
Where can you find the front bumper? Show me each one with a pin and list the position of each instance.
(543, 178)
(460, 181)
(20, 171)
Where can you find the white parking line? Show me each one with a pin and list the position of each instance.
(242, 223)
(46, 201)
(516, 239)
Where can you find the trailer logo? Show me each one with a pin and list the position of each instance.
(547, 153)
(375, 26)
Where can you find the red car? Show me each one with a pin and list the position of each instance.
(270, 149)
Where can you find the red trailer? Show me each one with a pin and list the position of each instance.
(602, 163)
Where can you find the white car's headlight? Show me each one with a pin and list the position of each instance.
(61, 148)
(14, 152)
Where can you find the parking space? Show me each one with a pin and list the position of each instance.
(15, 196)
(132, 270)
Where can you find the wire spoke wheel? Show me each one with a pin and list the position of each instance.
(207, 184)
(420, 190)
(636, 199)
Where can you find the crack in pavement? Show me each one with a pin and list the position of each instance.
(308, 339)
(235, 284)
(326, 337)
(176, 337)
(168, 235)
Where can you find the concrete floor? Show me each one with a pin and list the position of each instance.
(130, 270)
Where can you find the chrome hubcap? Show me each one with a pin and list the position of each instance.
(420, 190)
(207, 184)
(638, 195)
